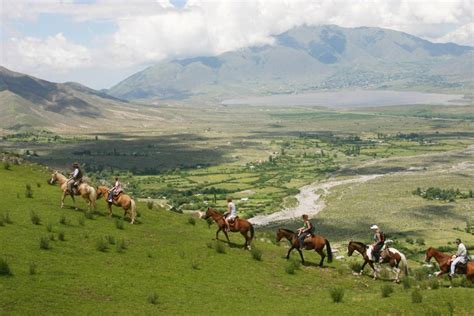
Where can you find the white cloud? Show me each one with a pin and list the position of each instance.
(463, 35)
(53, 53)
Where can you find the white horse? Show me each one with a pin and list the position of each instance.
(87, 192)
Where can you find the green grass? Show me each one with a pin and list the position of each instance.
(165, 266)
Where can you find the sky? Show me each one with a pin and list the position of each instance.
(101, 42)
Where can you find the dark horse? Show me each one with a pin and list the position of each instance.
(315, 242)
(444, 262)
(239, 225)
(389, 255)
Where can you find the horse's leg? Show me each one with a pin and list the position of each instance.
(217, 232)
(110, 209)
(226, 235)
(301, 254)
(289, 251)
(73, 201)
(246, 245)
(321, 253)
(371, 264)
(62, 199)
(362, 268)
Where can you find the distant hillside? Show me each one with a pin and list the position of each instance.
(308, 59)
(27, 102)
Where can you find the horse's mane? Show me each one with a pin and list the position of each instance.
(359, 243)
(287, 230)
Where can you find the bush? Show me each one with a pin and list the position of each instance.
(121, 246)
(292, 266)
(32, 268)
(434, 284)
(51, 237)
(89, 215)
(416, 296)
(49, 227)
(256, 254)
(150, 204)
(219, 247)
(35, 219)
(101, 245)
(119, 224)
(409, 240)
(152, 298)
(406, 282)
(337, 294)
(420, 241)
(6, 165)
(6, 218)
(110, 239)
(421, 274)
(61, 236)
(38, 185)
(191, 221)
(386, 290)
(81, 221)
(28, 192)
(44, 243)
(63, 220)
(355, 266)
(5, 268)
(195, 265)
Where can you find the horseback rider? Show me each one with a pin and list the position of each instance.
(75, 179)
(115, 190)
(306, 230)
(379, 241)
(231, 213)
(460, 256)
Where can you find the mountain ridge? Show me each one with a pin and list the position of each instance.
(305, 58)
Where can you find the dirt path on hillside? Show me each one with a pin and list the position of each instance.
(309, 200)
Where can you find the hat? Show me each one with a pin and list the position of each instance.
(75, 165)
(374, 227)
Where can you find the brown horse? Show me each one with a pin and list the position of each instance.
(389, 255)
(315, 242)
(87, 192)
(122, 200)
(239, 225)
(444, 262)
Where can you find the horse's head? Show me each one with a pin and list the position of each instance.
(350, 249)
(429, 254)
(207, 214)
(101, 191)
(279, 235)
(54, 178)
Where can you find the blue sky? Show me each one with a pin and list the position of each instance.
(100, 42)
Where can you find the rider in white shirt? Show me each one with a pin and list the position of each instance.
(460, 256)
(231, 213)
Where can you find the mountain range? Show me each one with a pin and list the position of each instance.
(27, 102)
(309, 59)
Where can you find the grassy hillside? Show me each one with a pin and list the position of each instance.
(171, 266)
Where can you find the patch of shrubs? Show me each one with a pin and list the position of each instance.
(101, 245)
(406, 282)
(337, 294)
(256, 254)
(32, 268)
(89, 215)
(191, 221)
(44, 243)
(120, 246)
(35, 219)
(119, 224)
(61, 236)
(63, 220)
(5, 218)
(416, 296)
(435, 193)
(292, 266)
(28, 191)
(355, 266)
(387, 290)
(6, 165)
(150, 204)
(5, 268)
(152, 298)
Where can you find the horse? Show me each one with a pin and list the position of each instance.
(444, 262)
(389, 255)
(87, 192)
(122, 200)
(239, 225)
(314, 242)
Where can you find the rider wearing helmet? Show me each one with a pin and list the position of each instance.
(115, 190)
(460, 256)
(379, 241)
(75, 179)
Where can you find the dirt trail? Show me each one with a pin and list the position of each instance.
(309, 200)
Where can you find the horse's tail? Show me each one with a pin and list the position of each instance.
(329, 250)
(403, 259)
(252, 232)
(133, 210)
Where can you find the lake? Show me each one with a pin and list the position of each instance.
(350, 99)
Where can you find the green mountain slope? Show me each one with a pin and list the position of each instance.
(307, 59)
(168, 257)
